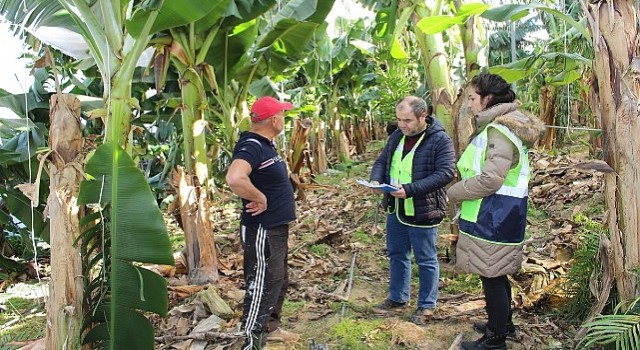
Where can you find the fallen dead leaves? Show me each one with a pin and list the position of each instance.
(331, 215)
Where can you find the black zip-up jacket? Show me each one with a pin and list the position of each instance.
(433, 169)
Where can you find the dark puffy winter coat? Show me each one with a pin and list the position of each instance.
(433, 169)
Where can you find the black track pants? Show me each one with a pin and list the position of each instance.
(266, 277)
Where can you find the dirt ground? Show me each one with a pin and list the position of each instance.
(338, 271)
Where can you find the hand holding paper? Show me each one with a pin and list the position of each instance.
(383, 187)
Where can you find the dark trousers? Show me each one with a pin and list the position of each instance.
(266, 277)
(497, 295)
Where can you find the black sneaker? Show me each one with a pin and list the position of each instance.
(489, 341)
(481, 327)
(389, 305)
(258, 341)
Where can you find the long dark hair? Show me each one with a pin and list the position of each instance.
(492, 84)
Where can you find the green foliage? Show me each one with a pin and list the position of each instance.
(360, 334)
(291, 307)
(362, 237)
(460, 283)
(29, 328)
(534, 213)
(586, 267)
(500, 40)
(394, 80)
(621, 329)
(127, 228)
(319, 249)
(21, 305)
(31, 324)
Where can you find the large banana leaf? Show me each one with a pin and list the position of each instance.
(506, 12)
(283, 40)
(20, 208)
(207, 22)
(176, 13)
(23, 145)
(229, 50)
(34, 13)
(286, 41)
(135, 233)
(437, 24)
(21, 104)
(525, 67)
(241, 11)
(514, 12)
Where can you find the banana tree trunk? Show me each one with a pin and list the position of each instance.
(548, 101)
(340, 142)
(434, 59)
(320, 162)
(64, 306)
(299, 153)
(299, 141)
(595, 121)
(474, 42)
(202, 260)
(614, 28)
(360, 136)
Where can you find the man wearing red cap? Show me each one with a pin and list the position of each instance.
(260, 177)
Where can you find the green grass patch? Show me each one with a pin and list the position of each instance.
(596, 207)
(291, 308)
(32, 327)
(320, 249)
(361, 236)
(339, 174)
(177, 241)
(19, 306)
(586, 266)
(30, 324)
(535, 214)
(360, 334)
(460, 283)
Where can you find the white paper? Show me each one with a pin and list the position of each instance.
(383, 187)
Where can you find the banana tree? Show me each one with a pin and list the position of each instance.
(116, 35)
(185, 51)
(252, 54)
(615, 89)
(340, 89)
(207, 55)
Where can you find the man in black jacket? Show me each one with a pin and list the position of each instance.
(419, 160)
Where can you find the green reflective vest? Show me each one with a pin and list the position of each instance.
(401, 172)
(502, 216)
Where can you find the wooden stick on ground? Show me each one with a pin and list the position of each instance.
(348, 293)
(456, 343)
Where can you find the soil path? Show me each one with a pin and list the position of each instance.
(329, 309)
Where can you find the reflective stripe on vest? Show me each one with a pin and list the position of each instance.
(500, 217)
(401, 172)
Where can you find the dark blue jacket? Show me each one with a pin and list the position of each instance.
(433, 168)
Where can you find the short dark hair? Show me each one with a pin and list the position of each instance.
(417, 104)
(486, 84)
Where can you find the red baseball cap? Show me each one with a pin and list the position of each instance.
(267, 107)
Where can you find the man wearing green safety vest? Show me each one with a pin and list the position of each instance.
(494, 171)
(419, 160)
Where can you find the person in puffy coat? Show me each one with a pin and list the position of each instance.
(492, 193)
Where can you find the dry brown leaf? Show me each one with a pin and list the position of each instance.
(182, 326)
(186, 290)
